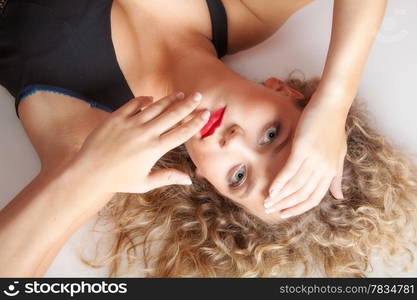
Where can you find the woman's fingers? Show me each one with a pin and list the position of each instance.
(297, 182)
(292, 167)
(142, 105)
(175, 113)
(308, 204)
(133, 106)
(300, 195)
(158, 107)
(159, 178)
(183, 132)
(336, 184)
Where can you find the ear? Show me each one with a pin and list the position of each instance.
(278, 85)
(274, 83)
(197, 173)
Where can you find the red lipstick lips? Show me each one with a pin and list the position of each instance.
(214, 121)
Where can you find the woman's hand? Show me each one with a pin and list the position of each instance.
(122, 151)
(315, 162)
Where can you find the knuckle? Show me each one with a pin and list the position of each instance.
(114, 119)
(187, 105)
(155, 145)
(196, 123)
(159, 105)
(175, 113)
(184, 131)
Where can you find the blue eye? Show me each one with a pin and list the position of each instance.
(270, 135)
(238, 176)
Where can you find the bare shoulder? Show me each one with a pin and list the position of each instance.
(249, 21)
(253, 21)
(57, 125)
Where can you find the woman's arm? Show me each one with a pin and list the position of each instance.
(35, 225)
(355, 25)
(317, 146)
(117, 156)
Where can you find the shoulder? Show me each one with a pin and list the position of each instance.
(253, 21)
(57, 125)
(249, 21)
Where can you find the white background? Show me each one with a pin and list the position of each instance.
(388, 86)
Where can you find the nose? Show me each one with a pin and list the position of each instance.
(231, 135)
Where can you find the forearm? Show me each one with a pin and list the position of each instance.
(354, 28)
(40, 219)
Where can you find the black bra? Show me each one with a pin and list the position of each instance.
(218, 26)
(65, 47)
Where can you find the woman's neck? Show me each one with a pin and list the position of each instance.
(193, 70)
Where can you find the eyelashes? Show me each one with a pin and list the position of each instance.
(270, 134)
(239, 176)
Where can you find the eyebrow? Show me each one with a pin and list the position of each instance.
(250, 186)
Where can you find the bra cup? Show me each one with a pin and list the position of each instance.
(39, 31)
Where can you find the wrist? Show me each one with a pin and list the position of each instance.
(337, 101)
(87, 189)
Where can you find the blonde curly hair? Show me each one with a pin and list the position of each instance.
(193, 231)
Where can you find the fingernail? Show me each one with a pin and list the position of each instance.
(197, 97)
(273, 192)
(186, 181)
(205, 115)
(268, 202)
(270, 210)
(180, 95)
(284, 216)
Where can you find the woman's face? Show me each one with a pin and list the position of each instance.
(244, 154)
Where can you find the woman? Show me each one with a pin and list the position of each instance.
(195, 231)
(174, 53)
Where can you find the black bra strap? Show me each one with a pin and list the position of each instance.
(218, 26)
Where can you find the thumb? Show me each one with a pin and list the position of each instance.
(159, 178)
(336, 185)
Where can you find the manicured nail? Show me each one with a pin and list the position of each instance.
(180, 95)
(205, 115)
(197, 97)
(268, 203)
(273, 192)
(270, 210)
(186, 181)
(284, 216)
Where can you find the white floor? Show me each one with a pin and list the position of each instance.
(388, 86)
